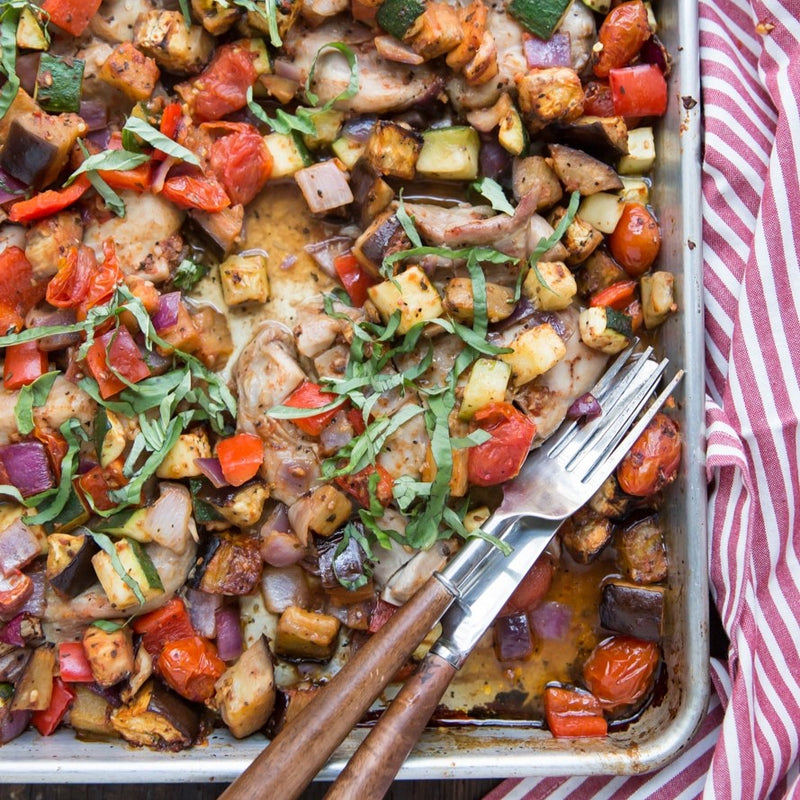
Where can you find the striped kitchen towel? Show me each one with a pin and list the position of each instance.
(748, 745)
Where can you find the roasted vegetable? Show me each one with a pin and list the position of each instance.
(110, 654)
(652, 463)
(598, 272)
(232, 565)
(371, 193)
(603, 137)
(69, 563)
(393, 149)
(552, 94)
(534, 351)
(305, 635)
(450, 154)
(641, 552)
(633, 610)
(138, 568)
(244, 279)
(35, 687)
(241, 506)
(90, 713)
(585, 534)
(580, 172)
(535, 172)
(458, 300)
(550, 285)
(658, 298)
(412, 294)
(383, 236)
(130, 71)
(321, 512)
(163, 35)
(580, 238)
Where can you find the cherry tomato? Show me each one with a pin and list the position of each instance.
(241, 163)
(191, 667)
(19, 290)
(358, 485)
(102, 281)
(620, 670)
(15, 589)
(532, 588)
(98, 482)
(598, 101)
(112, 352)
(56, 446)
(69, 285)
(187, 191)
(240, 457)
(636, 240)
(222, 87)
(501, 457)
(638, 91)
(622, 35)
(571, 713)
(136, 179)
(653, 461)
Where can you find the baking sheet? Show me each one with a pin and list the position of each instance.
(496, 752)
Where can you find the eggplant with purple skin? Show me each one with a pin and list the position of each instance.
(603, 137)
(34, 689)
(69, 563)
(384, 236)
(641, 553)
(633, 610)
(371, 193)
(231, 565)
(157, 717)
(26, 156)
(512, 638)
(585, 534)
(13, 661)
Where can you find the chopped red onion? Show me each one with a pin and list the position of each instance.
(159, 174)
(94, 114)
(325, 252)
(11, 633)
(100, 138)
(289, 70)
(43, 318)
(167, 314)
(553, 52)
(551, 620)
(280, 549)
(36, 604)
(359, 129)
(10, 187)
(494, 159)
(212, 469)
(653, 52)
(85, 464)
(512, 638)
(392, 50)
(229, 633)
(324, 187)
(28, 467)
(285, 587)
(13, 723)
(18, 547)
(27, 68)
(203, 609)
(288, 262)
(585, 407)
(336, 568)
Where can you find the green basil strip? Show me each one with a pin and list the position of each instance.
(111, 160)
(493, 192)
(32, 396)
(105, 625)
(352, 86)
(8, 57)
(407, 223)
(161, 142)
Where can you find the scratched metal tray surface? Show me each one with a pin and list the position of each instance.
(496, 752)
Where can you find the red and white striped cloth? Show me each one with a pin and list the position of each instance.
(748, 745)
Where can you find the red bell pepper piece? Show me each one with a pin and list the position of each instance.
(116, 351)
(166, 624)
(311, 395)
(240, 456)
(73, 16)
(639, 91)
(45, 204)
(73, 666)
(48, 720)
(24, 363)
(573, 714)
(354, 278)
(617, 296)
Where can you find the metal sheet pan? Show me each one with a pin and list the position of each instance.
(486, 752)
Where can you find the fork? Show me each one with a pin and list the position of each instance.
(553, 483)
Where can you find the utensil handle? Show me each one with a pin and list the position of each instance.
(298, 752)
(370, 772)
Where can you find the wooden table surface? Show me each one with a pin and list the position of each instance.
(402, 790)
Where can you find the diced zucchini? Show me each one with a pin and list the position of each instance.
(580, 238)
(599, 329)
(397, 16)
(305, 635)
(35, 688)
(180, 460)
(328, 124)
(59, 83)
(459, 301)
(127, 523)
(393, 149)
(635, 190)
(641, 152)
(534, 352)
(512, 135)
(243, 507)
(31, 34)
(244, 279)
(658, 298)
(540, 17)
(90, 713)
(487, 383)
(289, 154)
(217, 18)
(550, 285)
(137, 565)
(348, 150)
(602, 211)
(412, 294)
(74, 514)
(258, 47)
(450, 154)
(600, 6)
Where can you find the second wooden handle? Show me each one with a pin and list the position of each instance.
(370, 772)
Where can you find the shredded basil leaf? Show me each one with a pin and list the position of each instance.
(187, 14)
(32, 396)
(106, 625)
(352, 85)
(111, 160)
(493, 192)
(189, 274)
(8, 56)
(110, 197)
(161, 142)
(406, 222)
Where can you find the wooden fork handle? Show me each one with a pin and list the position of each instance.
(298, 752)
(370, 772)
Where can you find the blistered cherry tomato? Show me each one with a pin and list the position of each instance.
(191, 667)
(620, 670)
(221, 88)
(500, 458)
(636, 240)
(532, 588)
(622, 35)
(187, 191)
(598, 101)
(653, 461)
(241, 163)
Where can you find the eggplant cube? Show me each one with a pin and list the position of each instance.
(130, 71)
(658, 298)
(69, 563)
(487, 383)
(306, 635)
(550, 285)
(322, 512)
(110, 654)
(412, 294)
(534, 352)
(641, 553)
(393, 150)
(163, 35)
(633, 610)
(244, 279)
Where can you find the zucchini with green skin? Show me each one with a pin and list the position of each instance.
(59, 83)
(289, 154)
(605, 329)
(450, 154)
(540, 17)
(31, 34)
(397, 16)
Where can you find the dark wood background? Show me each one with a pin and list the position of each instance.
(402, 790)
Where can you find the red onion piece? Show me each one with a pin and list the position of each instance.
(494, 159)
(551, 620)
(10, 187)
(229, 633)
(100, 138)
(586, 407)
(27, 68)
(653, 52)
(18, 547)
(289, 70)
(109, 693)
(159, 174)
(285, 587)
(36, 604)
(46, 318)
(11, 633)
(389, 48)
(13, 723)
(167, 314)
(359, 129)
(203, 609)
(94, 114)
(279, 549)
(335, 567)
(28, 467)
(324, 187)
(85, 464)
(512, 638)
(212, 469)
(553, 52)
(325, 252)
